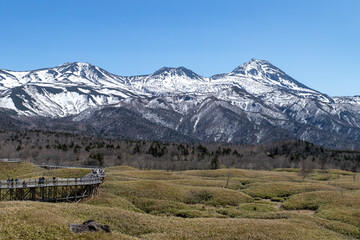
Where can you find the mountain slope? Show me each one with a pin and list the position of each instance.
(61, 91)
(255, 103)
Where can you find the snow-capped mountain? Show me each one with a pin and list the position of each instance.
(255, 103)
(61, 91)
(169, 81)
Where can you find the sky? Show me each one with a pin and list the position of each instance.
(317, 42)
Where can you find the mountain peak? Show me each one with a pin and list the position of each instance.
(75, 65)
(257, 61)
(179, 71)
(81, 68)
(253, 64)
(267, 74)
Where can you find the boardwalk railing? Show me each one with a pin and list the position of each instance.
(11, 160)
(52, 189)
(45, 165)
(26, 183)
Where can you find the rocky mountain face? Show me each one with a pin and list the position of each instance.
(255, 103)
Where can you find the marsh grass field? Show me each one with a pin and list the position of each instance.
(196, 204)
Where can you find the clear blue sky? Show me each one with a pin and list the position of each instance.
(315, 41)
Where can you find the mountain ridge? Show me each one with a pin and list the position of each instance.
(255, 103)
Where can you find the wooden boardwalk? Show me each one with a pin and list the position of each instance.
(52, 189)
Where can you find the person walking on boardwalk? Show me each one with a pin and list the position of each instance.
(8, 182)
(16, 182)
(24, 183)
(41, 180)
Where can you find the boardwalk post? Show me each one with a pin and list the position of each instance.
(33, 193)
(11, 193)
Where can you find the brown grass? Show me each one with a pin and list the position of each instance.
(213, 204)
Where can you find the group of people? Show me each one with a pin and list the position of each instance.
(98, 173)
(41, 180)
(10, 182)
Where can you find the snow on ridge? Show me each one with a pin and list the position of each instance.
(258, 78)
(165, 80)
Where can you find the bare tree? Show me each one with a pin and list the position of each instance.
(306, 167)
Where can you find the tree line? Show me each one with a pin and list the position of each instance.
(65, 148)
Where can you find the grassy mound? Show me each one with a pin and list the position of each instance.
(313, 200)
(186, 194)
(19, 170)
(26, 170)
(283, 189)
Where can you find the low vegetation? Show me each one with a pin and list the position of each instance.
(201, 204)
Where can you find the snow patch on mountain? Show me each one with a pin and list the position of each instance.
(256, 100)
